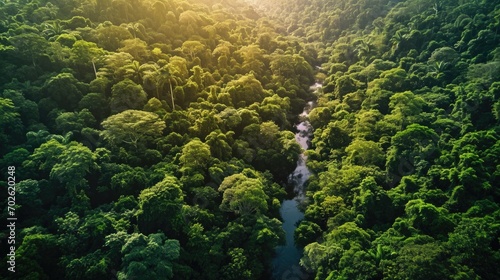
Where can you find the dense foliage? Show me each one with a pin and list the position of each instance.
(407, 139)
(152, 138)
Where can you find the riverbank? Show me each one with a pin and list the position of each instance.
(286, 263)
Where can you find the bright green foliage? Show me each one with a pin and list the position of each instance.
(126, 95)
(45, 157)
(405, 106)
(130, 121)
(219, 146)
(85, 55)
(361, 152)
(72, 166)
(93, 265)
(414, 146)
(418, 261)
(243, 195)
(132, 127)
(75, 122)
(468, 239)
(306, 233)
(195, 155)
(27, 109)
(160, 76)
(160, 206)
(427, 217)
(238, 267)
(245, 91)
(317, 255)
(148, 256)
(33, 265)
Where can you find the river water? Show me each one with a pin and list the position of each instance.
(286, 263)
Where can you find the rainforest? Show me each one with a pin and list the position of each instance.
(199, 139)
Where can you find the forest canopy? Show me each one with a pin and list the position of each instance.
(154, 138)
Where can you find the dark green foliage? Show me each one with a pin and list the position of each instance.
(151, 139)
(408, 84)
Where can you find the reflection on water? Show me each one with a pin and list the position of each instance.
(286, 263)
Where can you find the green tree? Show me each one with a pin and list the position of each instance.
(137, 48)
(243, 195)
(72, 166)
(84, 53)
(318, 256)
(96, 103)
(30, 45)
(65, 90)
(43, 159)
(192, 48)
(115, 65)
(33, 262)
(362, 152)
(307, 232)
(405, 108)
(343, 86)
(148, 256)
(238, 268)
(27, 109)
(219, 146)
(428, 218)
(160, 206)
(132, 127)
(109, 36)
(393, 80)
(136, 71)
(245, 91)
(471, 243)
(127, 95)
(75, 122)
(9, 118)
(418, 259)
(195, 155)
(159, 76)
(93, 265)
(413, 147)
(365, 126)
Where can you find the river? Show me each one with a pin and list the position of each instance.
(286, 263)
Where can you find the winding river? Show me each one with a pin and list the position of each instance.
(286, 263)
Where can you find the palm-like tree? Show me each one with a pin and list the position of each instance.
(53, 29)
(136, 71)
(364, 50)
(159, 11)
(159, 76)
(439, 67)
(136, 29)
(122, 10)
(397, 39)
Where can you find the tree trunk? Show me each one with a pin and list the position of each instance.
(95, 70)
(172, 96)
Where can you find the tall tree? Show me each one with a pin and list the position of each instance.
(160, 206)
(30, 45)
(84, 53)
(243, 195)
(159, 76)
(132, 127)
(127, 95)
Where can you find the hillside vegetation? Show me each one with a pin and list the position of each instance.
(153, 139)
(406, 148)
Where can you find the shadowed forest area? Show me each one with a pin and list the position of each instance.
(153, 139)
